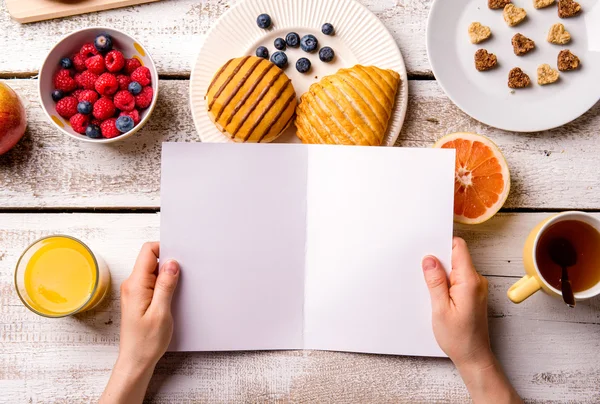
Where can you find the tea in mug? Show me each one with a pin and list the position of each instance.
(585, 274)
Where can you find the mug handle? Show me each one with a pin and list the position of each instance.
(525, 287)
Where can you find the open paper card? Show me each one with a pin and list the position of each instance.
(304, 247)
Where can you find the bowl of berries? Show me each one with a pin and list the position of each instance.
(98, 85)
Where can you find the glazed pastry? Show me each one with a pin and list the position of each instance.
(251, 100)
(351, 107)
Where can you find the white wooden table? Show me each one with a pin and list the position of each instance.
(109, 197)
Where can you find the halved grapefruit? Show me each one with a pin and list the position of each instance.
(482, 179)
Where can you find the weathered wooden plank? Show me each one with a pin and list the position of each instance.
(558, 169)
(172, 29)
(551, 353)
(551, 169)
(495, 246)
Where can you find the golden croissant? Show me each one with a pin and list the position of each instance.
(351, 107)
(251, 100)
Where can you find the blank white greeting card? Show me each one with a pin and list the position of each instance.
(304, 246)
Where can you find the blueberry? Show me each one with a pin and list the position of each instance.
(84, 107)
(309, 43)
(303, 65)
(279, 44)
(326, 54)
(280, 59)
(134, 88)
(103, 43)
(124, 123)
(66, 63)
(93, 131)
(292, 40)
(262, 52)
(264, 21)
(327, 29)
(57, 95)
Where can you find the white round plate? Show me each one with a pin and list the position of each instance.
(485, 95)
(360, 38)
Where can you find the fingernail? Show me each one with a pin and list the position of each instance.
(429, 263)
(172, 267)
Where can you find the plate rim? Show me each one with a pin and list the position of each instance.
(403, 73)
(538, 128)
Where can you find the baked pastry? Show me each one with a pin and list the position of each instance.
(521, 44)
(497, 4)
(517, 78)
(350, 107)
(542, 3)
(559, 35)
(479, 33)
(546, 74)
(567, 61)
(513, 15)
(568, 8)
(485, 60)
(251, 100)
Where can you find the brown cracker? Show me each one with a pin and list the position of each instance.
(498, 4)
(568, 8)
(513, 15)
(521, 44)
(546, 74)
(518, 79)
(567, 61)
(485, 60)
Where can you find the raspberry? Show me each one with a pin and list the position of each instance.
(95, 64)
(87, 80)
(88, 50)
(123, 81)
(95, 121)
(77, 93)
(131, 65)
(88, 95)
(78, 62)
(64, 82)
(67, 107)
(79, 122)
(142, 75)
(109, 128)
(114, 61)
(107, 84)
(124, 100)
(103, 109)
(144, 99)
(135, 115)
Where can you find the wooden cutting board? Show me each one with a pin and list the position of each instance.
(25, 11)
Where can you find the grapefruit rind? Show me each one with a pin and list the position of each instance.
(491, 211)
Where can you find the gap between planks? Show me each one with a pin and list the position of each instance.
(145, 210)
(166, 76)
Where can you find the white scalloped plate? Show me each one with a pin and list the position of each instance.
(360, 38)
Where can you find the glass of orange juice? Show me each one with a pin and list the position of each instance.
(58, 276)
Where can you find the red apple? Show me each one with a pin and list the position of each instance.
(13, 120)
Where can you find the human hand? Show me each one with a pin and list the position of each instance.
(146, 326)
(460, 321)
(460, 325)
(146, 320)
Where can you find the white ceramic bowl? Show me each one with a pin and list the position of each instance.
(70, 45)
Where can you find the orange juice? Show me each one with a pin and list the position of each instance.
(58, 276)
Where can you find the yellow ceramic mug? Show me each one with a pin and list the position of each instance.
(534, 281)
